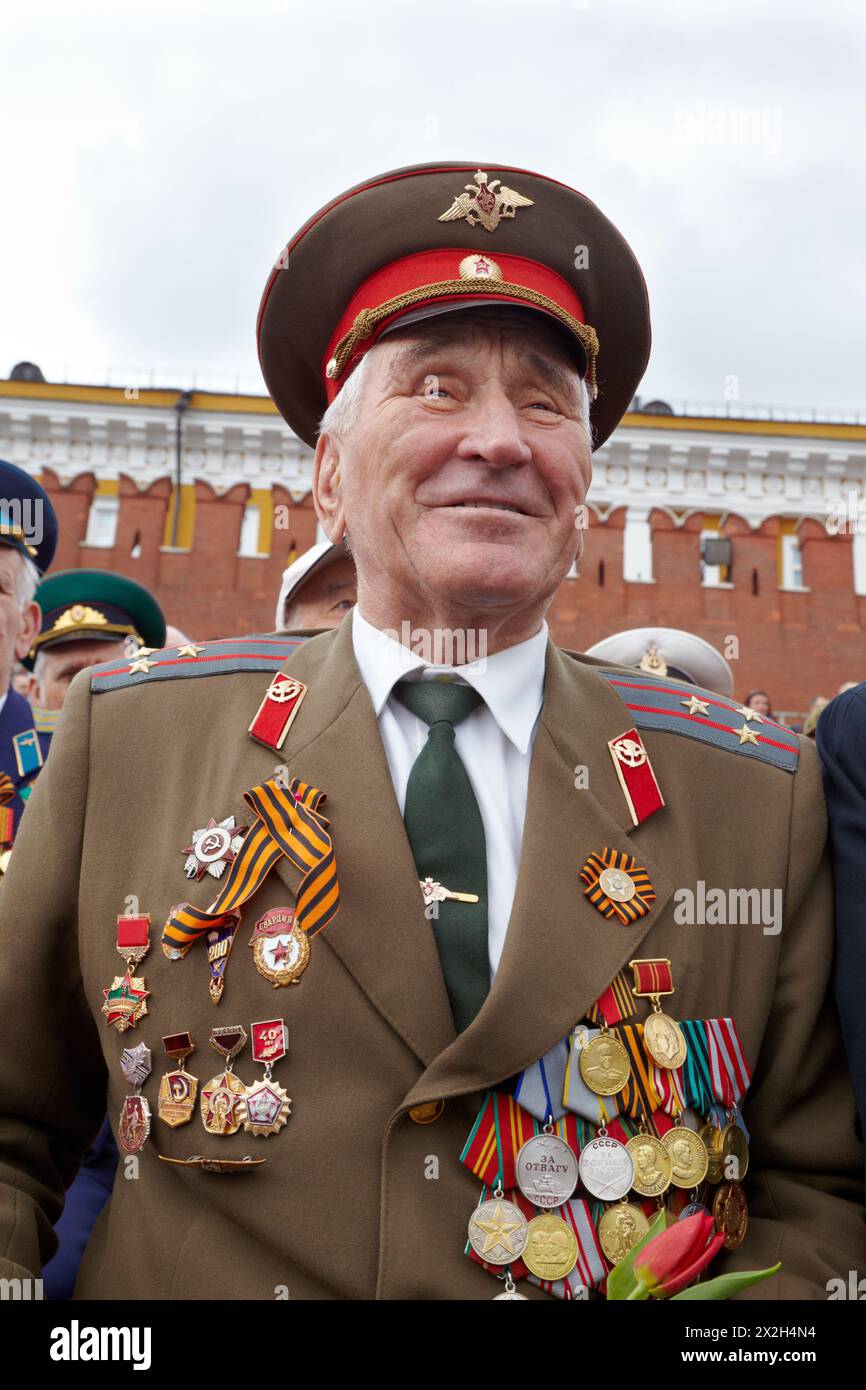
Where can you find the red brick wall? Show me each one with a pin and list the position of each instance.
(209, 591)
(796, 645)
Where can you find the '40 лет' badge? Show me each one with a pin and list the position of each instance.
(268, 1106)
(125, 1000)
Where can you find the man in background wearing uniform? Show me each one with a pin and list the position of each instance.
(318, 589)
(391, 890)
(28, 539)
(87, 616)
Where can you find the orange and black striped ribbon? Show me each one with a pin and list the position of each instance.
(7, 817)
(627, 912)
(615, 1004)
(288, 822)
(639, 1095)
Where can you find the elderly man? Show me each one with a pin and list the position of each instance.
(88, 616)
(28, 539)
(403, 893)
(318, 589)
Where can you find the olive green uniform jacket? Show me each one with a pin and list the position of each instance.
(357, 1200)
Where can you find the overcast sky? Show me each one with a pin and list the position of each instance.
(155, 158)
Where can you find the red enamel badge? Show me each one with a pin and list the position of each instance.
(277, 711)
(636, 776)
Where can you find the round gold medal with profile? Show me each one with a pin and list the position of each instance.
(652, 1165)
(689, 1157)
(604, 1065)
(665, 1041)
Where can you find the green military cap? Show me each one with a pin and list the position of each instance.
(436, 238)
(96, 605)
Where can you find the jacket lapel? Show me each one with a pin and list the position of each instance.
(560, 953)
(380, 933)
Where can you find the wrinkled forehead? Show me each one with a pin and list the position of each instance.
(530, 340)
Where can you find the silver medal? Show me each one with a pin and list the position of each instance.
(606, 1168)
(546, 1170)
(498, 1231)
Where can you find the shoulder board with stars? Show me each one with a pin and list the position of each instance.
(676, 707)
(224, 657)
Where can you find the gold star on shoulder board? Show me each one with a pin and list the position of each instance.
(141, 664)
(191, 649)
(747, 735)
(750, 714)
(695, 706)
(145, 651)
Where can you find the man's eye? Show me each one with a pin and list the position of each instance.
(543, 405)
(433, 393)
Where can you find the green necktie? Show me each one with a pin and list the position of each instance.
(446, 834)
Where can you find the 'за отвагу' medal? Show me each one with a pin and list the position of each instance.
(177, 1089)
(267, 1105)
(223, 1105)
(546, 1170)
(134, 1125)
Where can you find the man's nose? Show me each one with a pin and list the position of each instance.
(495, 434)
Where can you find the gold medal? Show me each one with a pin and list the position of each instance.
(689, 1157)
(604, 1064)
(177, 1089)
(734, 1153)
(620, 1229)
(710, 1136)
(223, 1099)
(664, 1040)
(551, 1247)
(652, 1165)
(731, 1214)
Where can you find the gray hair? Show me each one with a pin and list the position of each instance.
(341, 415)
(26, 581)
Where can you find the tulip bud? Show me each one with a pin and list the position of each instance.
(675, 1258)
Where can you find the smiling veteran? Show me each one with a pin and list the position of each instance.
(412, 879)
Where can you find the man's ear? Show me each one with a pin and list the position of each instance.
(328, 487)
(28, 628)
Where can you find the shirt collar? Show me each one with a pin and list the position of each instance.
(511, 682)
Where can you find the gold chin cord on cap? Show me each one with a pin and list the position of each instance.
(369, 319)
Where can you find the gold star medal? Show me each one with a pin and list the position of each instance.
(498, 1232)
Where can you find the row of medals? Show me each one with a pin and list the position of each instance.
(226, 1103)
(548, 1172)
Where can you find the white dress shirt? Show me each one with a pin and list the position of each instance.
(494, 743)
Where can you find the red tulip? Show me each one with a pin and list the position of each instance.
(675, 1258)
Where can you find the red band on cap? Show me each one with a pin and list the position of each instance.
(434, 268)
